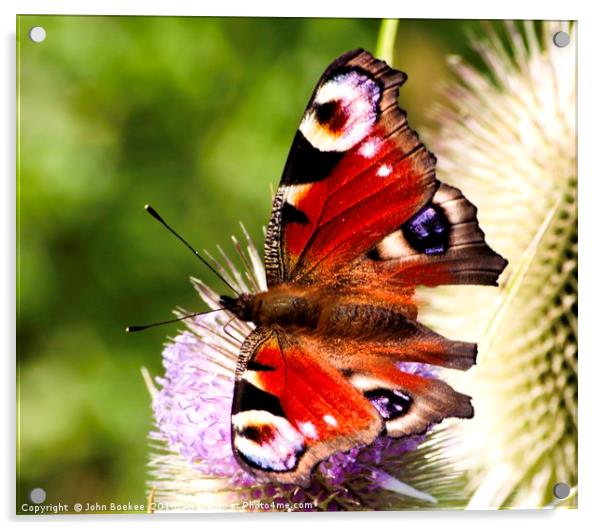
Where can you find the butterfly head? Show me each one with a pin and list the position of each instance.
(241, 306)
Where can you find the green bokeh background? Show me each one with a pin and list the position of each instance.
(194, 116)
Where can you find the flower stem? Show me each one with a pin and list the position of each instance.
(385, 43)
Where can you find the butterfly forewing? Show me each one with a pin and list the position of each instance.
(356, 172)
(291, 409)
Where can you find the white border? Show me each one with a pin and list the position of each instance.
(590, 222)
(553, 9)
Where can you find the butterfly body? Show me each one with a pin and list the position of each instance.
(319, 313)
(358, 222)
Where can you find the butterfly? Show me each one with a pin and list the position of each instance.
(359, 221)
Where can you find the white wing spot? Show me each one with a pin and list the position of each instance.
(384, 170)
(308, 429)
(369, 148)
(330, 420)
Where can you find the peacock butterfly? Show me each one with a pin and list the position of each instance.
(358, 221)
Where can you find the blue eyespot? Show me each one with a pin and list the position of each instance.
(428, 231)
(390, 404)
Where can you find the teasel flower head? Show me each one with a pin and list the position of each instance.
(507, 137)
(193, 467)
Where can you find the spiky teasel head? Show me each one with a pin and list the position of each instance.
(193, 467)
(507, 137)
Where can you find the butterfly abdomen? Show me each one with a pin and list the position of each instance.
(353, 320)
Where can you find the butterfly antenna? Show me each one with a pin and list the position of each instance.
(133, 329)
(154, 213)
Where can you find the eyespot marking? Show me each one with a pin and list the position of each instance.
(344, 109)
(428, 231)
(390, 404)
(332, 115)
(391, 247)
(266, 441)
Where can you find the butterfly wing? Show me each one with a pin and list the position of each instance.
(292, 409)
(357, 173)
(294, 406)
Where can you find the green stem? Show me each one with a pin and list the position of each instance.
(385, 43)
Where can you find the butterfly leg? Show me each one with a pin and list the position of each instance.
(225, 330)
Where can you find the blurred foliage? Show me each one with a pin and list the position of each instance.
(194, 116)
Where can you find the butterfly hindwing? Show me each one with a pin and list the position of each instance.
(292, 409)
(441, 244)
(374, 323)
(408, 403)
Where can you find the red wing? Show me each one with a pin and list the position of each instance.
(408, 403)
(292, 410)
(359, 201)
(356, 172)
